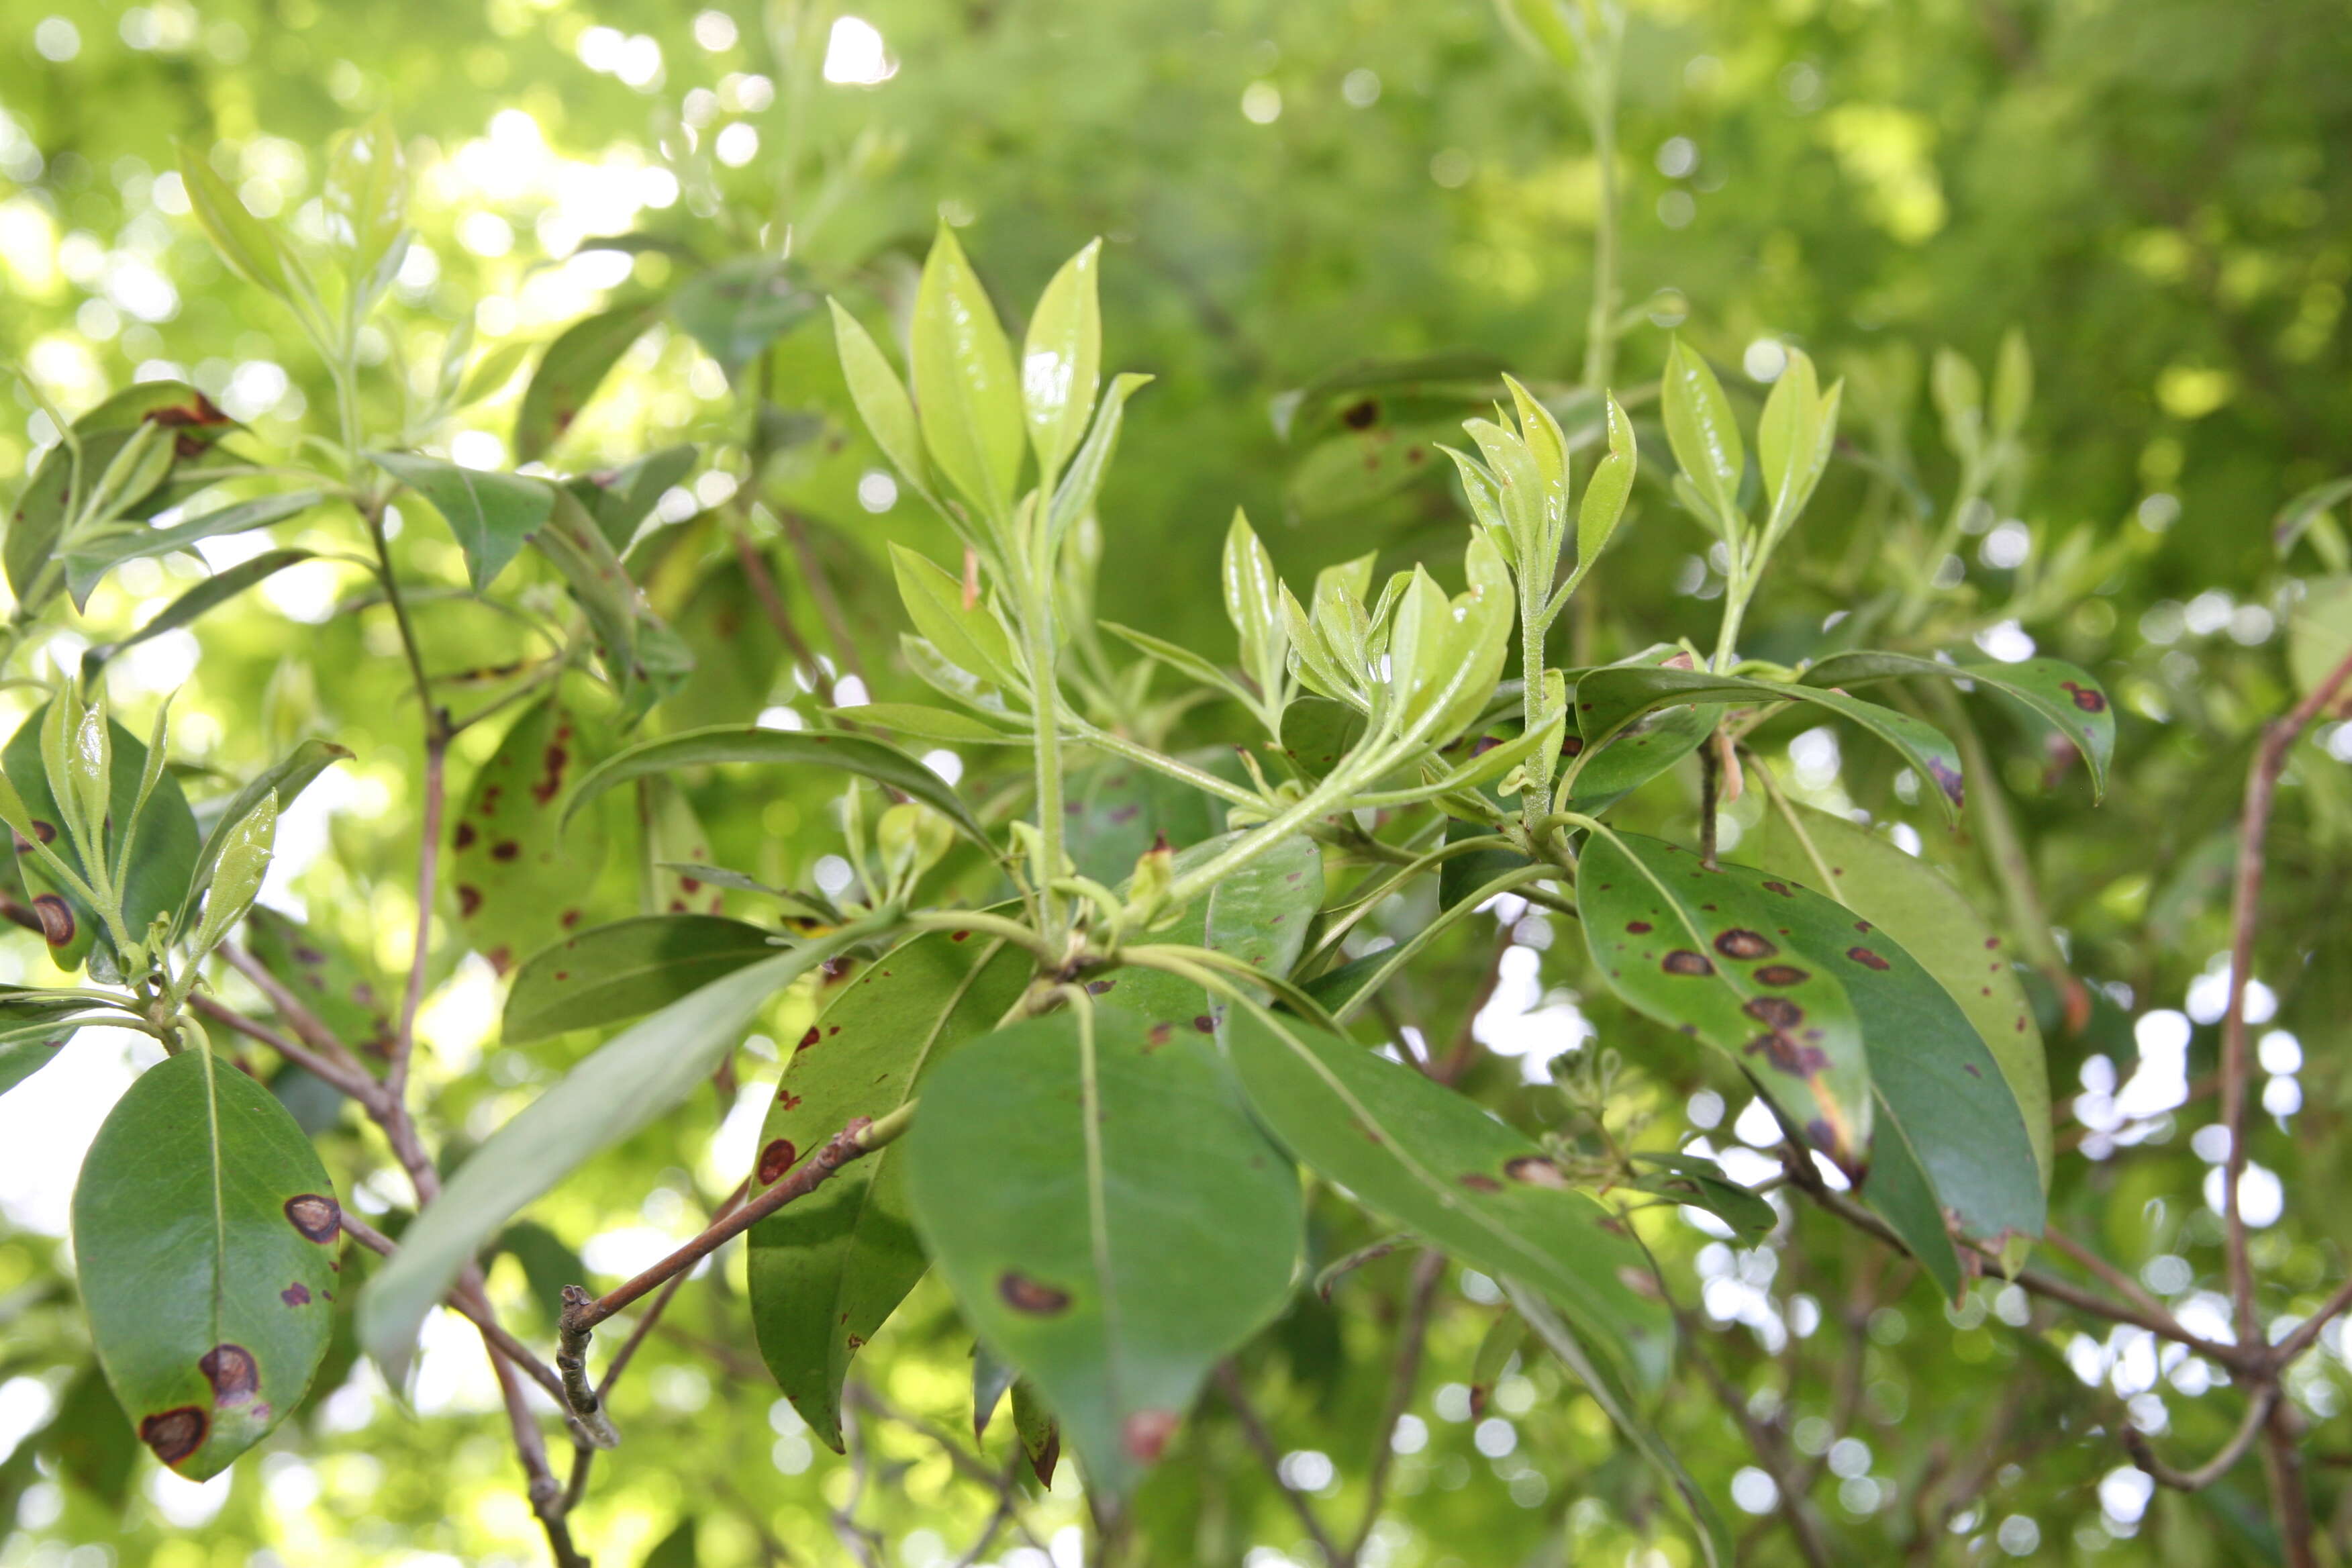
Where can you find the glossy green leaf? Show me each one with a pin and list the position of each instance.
(639, 1076)
(827, 1270)
(286, 779)
(1075, 496)
(1440, 1165)
(970, 637)
(240, 863)
(621, 498)
(520, 871)
(1107, 1218)
(87, 563)
(928, 724)
(1701, 1184)
(1606, 492)
(1793, 439)
(859, 754)
(965, 385)
(569, 371)
(1706, 953)
(1609, 700)
(209, 595)
(1262, 914)
(737, 309)
(205, 1233)
(1117, 810)
(613, 973)
(1703, 434)
(1061, 360)
(1253, 604)
(881, 398)
(1316, 733)
(2064, 695)
(1925, 915)
(492, 514)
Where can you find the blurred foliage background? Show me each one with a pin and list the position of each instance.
(2156, 196)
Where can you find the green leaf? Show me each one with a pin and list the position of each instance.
(2295, 518)
(2319, 633)
(20, 1060)
(240, 863)
(965, 384)
(92, 1440)
(969, 639)
(1958, 393)
(492, 514)
(1075, 496)
(569, 371)
(637, 1078)
(1253, 604)
(1107, 1218)
(1701, 1184)
(89, 563)
(286, 779)
(1609, 700)
(621, 498)
(1705, 951)
(827, 1272)
(205, 1234)
(1260, 914)
(877, 760)
(1438, 1163)
(1924, 914)
(618, 972)
(881, 398)
(1040, 1434)
(324, 976)
(209, 595)
(1606, 492)
(1316, 733)
(548, 1264)
(740, 307)
(676, 1550)
(2012, 384)
(1117, 810)
(1180, 659)
(643, 661)
(251, 247)
(1061, 360)
(521, 879)
(1703, 434)
(2065, 695)
(1793, 439)
(928, 724)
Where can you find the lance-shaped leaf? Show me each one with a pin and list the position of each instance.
(965, 385)
(1441, 1166)
(284, 778)
(639, 1076)
(1609, 700)
(967, 637)
(491, 513)
(827, 1272)
(205, 1233)
(621, 498)
(1606, 492)
(1040, 1434)
(624, 970)
(884, 764)
(87, 562)
(1107, 1218)
(1915, 906)
(1253, 604)
(522, 880)
(1075, 496)
(250, 247)
(927, 723)
(1061, 360)
(1704, 951)
(881, 398)
(1701, 1184)
(569, 371)
(1703, 434)
(2065, 695)
(209, 595)
(242, 861)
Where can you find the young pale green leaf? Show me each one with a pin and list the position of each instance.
(521, 879)
(1606, 492)
(967, 637)
(1180, 659)
(90, 559)
(88, 772)
(492, 514)
(2065, 695)
(881, 398)
(928, 724)
(1705, 951)
(1073, 498)
(205, 1234)
(240, 863)
(624, 970)
(284, 780)
(1916, 906)
(1959, 392)
(641, 1075)
(965, 385)
(250, 247)
(1787, 436)
(1532, 506)
(2012, 385)
(1546, 442)
(879, 761)
(1435, 1162)
(569, 371)
(1061, 360)
(2319, 632)
(1609, 700)
(1253, 604)
(1447, 655)
(1703, 434)
(209, 595)
(827, 1272)
(1107, 1218)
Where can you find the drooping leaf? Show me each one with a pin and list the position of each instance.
(209, 595)
(205, 1234)
(1705, 951)
(1040, 1434)
(1701, 1184)
(966, 388)
(1435, 1162)
(738, 308)
(613, 973)
(1107, 1218)
(1928, 918)
(640, 1075)
(521, 879)
(2065, 695)
(90, 1439)
(1609, 700)
(827, 1270)
(20, 1060)
(492, 514)
(990, 1379)
(877, 760)
(87, 563)
(573, 368)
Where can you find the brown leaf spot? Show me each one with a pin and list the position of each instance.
(1479, 1182)
(1744, 944)
(469, 899)
(776, 1159)
(1867, 959)
(1160, 1035)
(232, 1371)
(1862, 926)
(1682, 961)
(296, 1295)
(464, 837)
(317, 1216)
(1948, 779)
(788, 1100)
(1536, 1171)
(175, 1433)
(1788, 1055)
(1639, 928)
(1783, 975)
(1097, 987)
(1034, 1297)
(2088, 701)
(811, 1037)
(1205, 1023)
(505, 849)
(550, 779)
(959, 935)
(1572, 747)
(56, 919)
(1779, 887)
(1146, 1435)
(1775, 1011)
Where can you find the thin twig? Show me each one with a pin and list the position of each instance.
(305, 1022)
(1787, 1482)
(1412, 1337)
(2258, 1414)
(428, 871)
(466, 1306)
(353, 1082)
(1229, 1384)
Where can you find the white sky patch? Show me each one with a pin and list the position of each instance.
(856, 56)
(1522, 1020)
(47, 1121)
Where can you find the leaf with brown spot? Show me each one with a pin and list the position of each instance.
(520, 893)
(187, 1247)
(2063, 696)
(611, 973)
